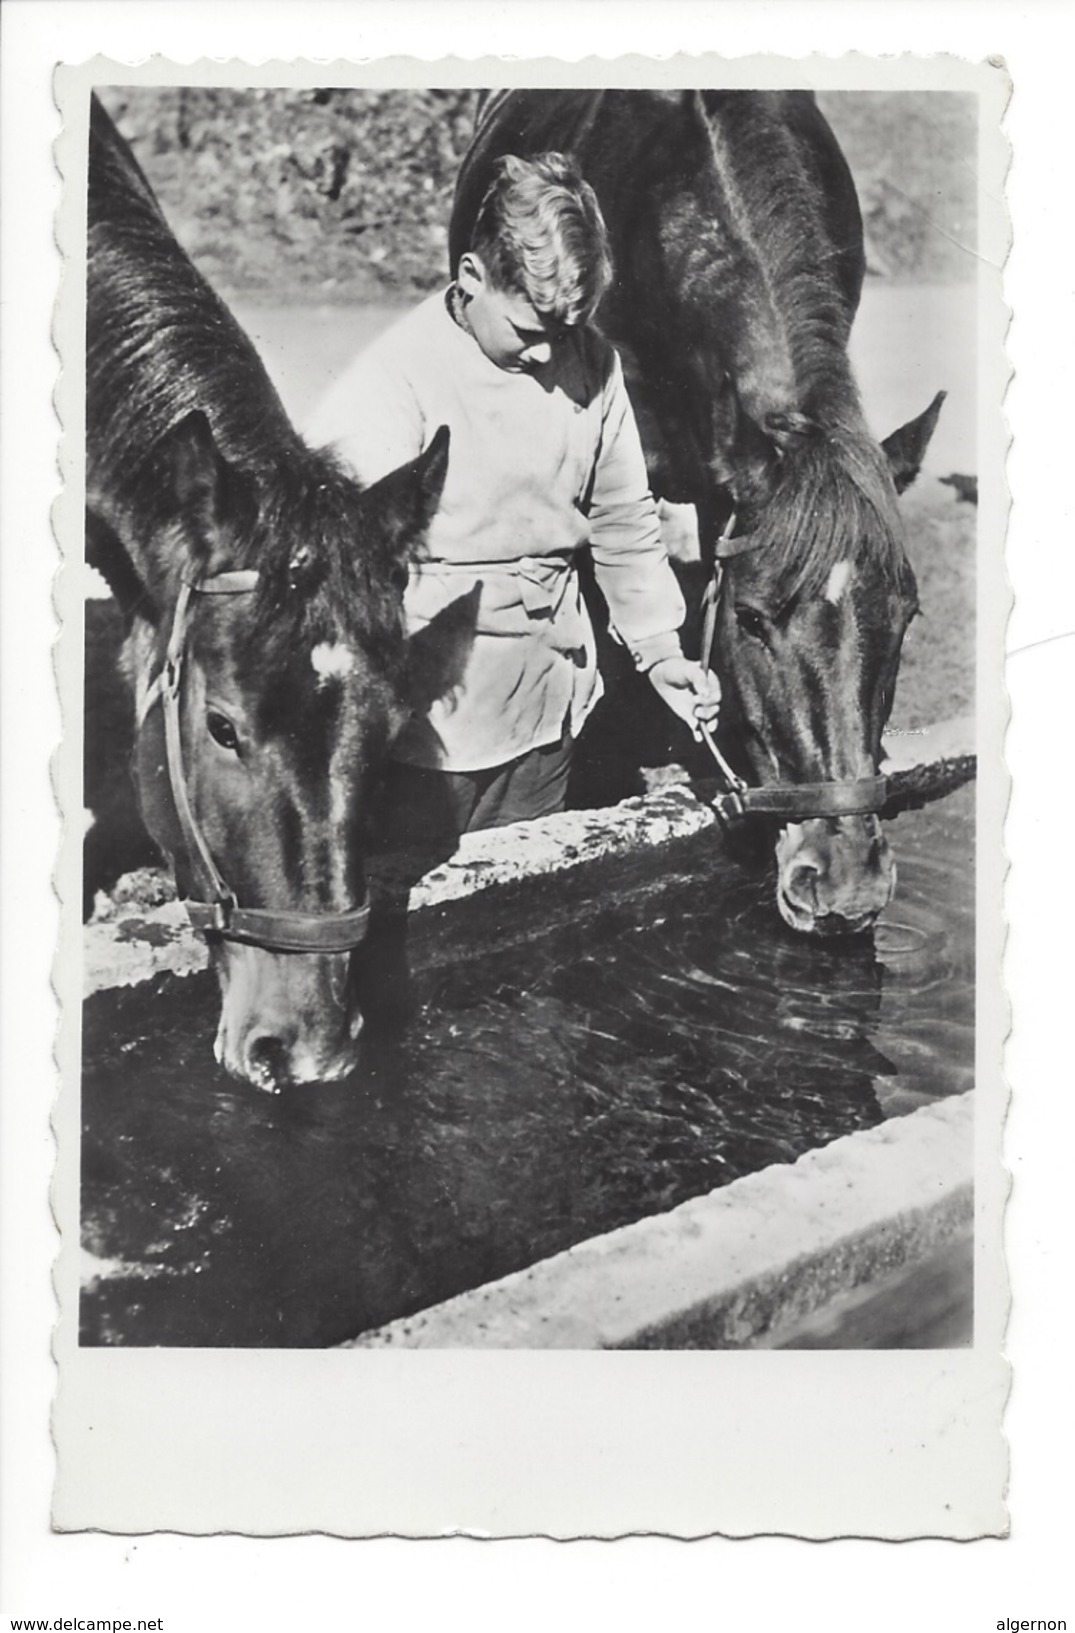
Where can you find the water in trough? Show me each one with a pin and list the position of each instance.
(540, 1094)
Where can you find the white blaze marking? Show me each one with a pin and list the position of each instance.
(337, 815)
(337, 800)
(838, 580)
(331, 661)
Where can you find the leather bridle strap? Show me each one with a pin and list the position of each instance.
(221, 915)
(728, 545)
(804, 800)
(711, 595)
(281, 932)
(793, 801)
(171, 687)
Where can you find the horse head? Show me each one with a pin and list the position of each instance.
(816, 599)
(264, 593)
(277, 620)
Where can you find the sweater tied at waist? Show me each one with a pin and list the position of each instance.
(529, 587)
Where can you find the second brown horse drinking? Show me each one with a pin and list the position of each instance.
(739, 258)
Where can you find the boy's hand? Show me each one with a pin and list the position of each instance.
(689, 691)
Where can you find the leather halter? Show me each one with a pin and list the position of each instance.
(221, 915)
(793, 801)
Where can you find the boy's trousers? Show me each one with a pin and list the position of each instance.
(420, 808)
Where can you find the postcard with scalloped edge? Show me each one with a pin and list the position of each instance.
(532, 609)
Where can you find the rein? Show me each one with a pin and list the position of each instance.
(864, 797)
(221, 915)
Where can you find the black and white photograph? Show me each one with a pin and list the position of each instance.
(537, 796)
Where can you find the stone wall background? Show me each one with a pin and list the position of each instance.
(344, 195)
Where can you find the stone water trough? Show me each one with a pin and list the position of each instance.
(870, 1235)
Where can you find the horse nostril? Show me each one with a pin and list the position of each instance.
(802, 883)
(268, 1062)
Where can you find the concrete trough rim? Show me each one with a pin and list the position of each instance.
(728, 1269)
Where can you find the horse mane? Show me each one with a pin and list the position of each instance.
(831, 496)
(832, 500)
(346, 588)
(760, 265)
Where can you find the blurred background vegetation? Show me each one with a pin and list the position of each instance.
(344, 195)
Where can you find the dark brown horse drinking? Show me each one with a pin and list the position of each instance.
(737, 242)
(263, 589)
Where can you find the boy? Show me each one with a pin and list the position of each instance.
(544, 459)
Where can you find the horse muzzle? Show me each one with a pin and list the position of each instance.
(834, 875)
(285, 1020)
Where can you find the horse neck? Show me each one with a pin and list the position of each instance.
(745, 239)
(164, 342)
(159, 340)
(117, 182)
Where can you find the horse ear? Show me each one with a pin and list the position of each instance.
(107, 553)
(905, 448)
(194, 466)
(747, 459)
(195, 482)
(404, 502)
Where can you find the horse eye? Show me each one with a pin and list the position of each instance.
(222, 731)
(751, 622)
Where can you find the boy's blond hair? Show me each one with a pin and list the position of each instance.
(539, 232)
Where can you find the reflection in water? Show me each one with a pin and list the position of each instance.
(537, 1097)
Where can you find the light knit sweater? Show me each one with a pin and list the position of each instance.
(539, 466)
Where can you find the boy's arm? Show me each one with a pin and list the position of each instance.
(633, 570)
(631, 564)
(371, 416)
